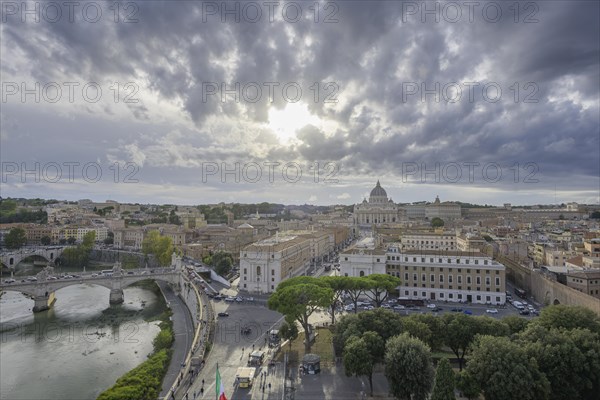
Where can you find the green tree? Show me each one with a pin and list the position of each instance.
(379, 287)
(288, 331)
(515, 323)
(298, 298)
(356, 288)
(435, 332)
(339, 284)
(88, 240)
(222, 262)
(408, 368)
(361, 354)
(460, 331)
(15, 238)
(160, 246)
(443, 388)
(384, 322)
(45, 240)
(437, 222)
(568, 317)
(468, 385)
(71, 240)
(505, 372)
(570, 359)
(174, 218)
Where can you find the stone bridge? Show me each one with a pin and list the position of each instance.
(42, 290)
(10, 259)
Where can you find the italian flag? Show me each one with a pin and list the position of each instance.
(220, 389)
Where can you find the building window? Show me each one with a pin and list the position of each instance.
(460, 296)
(362, 273)
(244, 285)
(478, 298)
(440, 260)
(272, 287)
(272, 272)
(476, 262)
(272, 279)
(488, 298)
(422, 259)
(258, 270)
(497, 299)
(423, 277)
(449, 278)
(245, 271)
(459, 278)
(406, 276)
(467, 261)
(441, 278)
(450, 296)
(245, 278)
(487, 280)
(432, 278)
(415, 293)
(378, 260)
(423, 294)
(478, 280)
(406, 292)
(441, 295)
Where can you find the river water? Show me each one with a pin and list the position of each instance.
(79, 347)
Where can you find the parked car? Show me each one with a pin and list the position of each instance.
(9, 281)
(491, 311)
(223, 314)
(432, 306)
(457, 309)
(399, 307)
(239, 299)
(468, 312)
(524, 312)
(230, 299)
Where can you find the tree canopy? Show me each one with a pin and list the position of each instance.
(298, 298)
(408, 368)
(15, 238)
(504, 370)
(160, 246)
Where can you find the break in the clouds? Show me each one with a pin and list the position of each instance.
(192, 102)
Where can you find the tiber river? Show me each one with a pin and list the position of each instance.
(79, 347)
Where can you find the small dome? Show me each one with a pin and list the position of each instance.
(378, 191)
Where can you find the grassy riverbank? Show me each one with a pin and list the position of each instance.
(144, 382)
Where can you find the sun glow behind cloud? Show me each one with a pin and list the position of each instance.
(285, 122)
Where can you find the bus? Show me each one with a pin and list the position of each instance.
(107, 272)
(521, 293)
(245, 376)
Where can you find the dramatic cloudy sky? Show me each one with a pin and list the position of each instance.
(486, 103)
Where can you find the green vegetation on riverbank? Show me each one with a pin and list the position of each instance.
(144, 382)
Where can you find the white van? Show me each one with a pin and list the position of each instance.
(518, 305)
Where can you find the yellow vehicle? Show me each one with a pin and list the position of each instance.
(245, 376)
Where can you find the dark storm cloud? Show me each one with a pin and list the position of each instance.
(372, 53)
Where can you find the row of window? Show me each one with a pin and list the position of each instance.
(441, 269)
(459, 296)
(439, 260)
(459, 279)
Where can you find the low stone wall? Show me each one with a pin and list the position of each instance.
(112, 256)
(548, 291)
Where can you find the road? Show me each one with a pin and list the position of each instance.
(183, 329)
(231, 348)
